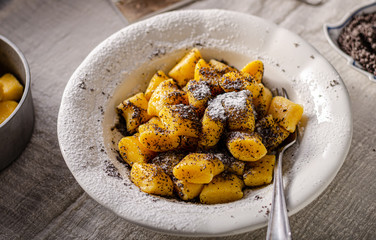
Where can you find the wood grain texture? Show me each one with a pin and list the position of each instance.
(40, 199)
(136, 9)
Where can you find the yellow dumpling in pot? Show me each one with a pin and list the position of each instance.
(12, 88)
(1, 92)
(6, 109)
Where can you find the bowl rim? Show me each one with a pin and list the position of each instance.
(327, 27)
(27, 84)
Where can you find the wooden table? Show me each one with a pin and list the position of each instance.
(40, 199)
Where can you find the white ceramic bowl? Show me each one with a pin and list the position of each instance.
(332, 32)
(124, 63)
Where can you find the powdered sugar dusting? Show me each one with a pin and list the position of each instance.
(200, 90)
(215, 110)
(236, 101)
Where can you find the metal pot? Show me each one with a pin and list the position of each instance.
(16, 130)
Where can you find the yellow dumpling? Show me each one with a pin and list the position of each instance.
(132, 151)
(6, 109)
(198, 168)
(1, 92)
(235, 81)
(262, 100)
(12, 88)
(186, 190)
(180, 119)
(204, 72)
(245, 146)
(213, 125)
(167, 93)
(221, 67)
(157, 78)
(239, 110)
(184, 70)
(272, 134)
(260, 172)
(151, 178)
(134, 111)
(155, 137)
(222, 189)
(199, 93)
(285, 112)
(255, 69)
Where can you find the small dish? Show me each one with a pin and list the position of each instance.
(332, 31)
(16, 130)
(123, 64)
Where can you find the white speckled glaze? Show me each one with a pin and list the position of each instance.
(124, 63)
(332, 32)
